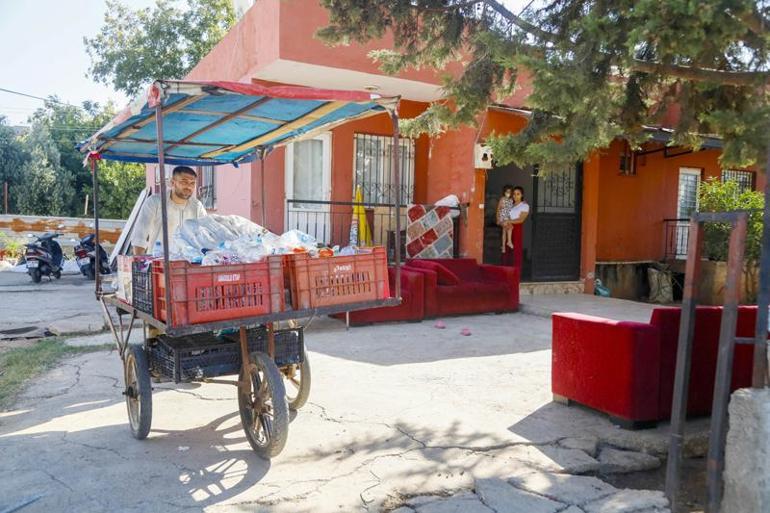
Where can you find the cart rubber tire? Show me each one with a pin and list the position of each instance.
(274, 419)
(302, 388)
(36, 275)
(136, 374)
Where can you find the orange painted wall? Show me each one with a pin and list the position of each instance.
(632, 209)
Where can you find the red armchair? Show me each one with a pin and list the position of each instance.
(461, 286)
(626, 369)
(412, 307)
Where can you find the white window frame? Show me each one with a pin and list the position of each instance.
(326, 140)
(203, 182)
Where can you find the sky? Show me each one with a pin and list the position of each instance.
(42, 52)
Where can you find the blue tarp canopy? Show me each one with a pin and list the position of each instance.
(211, 123)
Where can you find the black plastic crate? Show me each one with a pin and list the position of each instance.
(208, 356)
(141, 286)
(289, 344)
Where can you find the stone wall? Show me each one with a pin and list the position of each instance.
(19, 226)
(747, 457)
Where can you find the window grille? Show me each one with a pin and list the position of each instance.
(744, 179)
(373, 168)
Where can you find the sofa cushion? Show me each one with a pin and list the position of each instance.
(443, 274)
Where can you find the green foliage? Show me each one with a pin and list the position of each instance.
(11, 246)
(119, 185)
(45, 187)
(600, 70)
(13, 156)
(137, 46)
(715, 196)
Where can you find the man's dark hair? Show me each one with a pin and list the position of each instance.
(184, 170)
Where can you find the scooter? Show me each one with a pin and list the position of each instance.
(44, 257)
(85, 256)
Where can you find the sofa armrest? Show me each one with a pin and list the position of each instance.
(509, 275)
(414, 282)
(612, 366)
(430, 288)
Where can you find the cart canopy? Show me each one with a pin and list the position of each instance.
(211, 123)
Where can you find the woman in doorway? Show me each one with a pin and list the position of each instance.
(516, 217)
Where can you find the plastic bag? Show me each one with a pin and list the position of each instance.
(295, 239)
(450, 201)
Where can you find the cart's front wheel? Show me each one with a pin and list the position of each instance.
(263, 407)
(138, 391)
(297, 383)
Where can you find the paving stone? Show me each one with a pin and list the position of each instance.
(615, 461)
(504, 498)
(564, 488)
(572, 509)
(586, 444)
(421, 500)
(463, 504)
(403, 509)
(571, 461)
(630, 501)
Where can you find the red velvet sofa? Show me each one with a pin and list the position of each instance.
(412, 307)
(460, 286)
(626, 369)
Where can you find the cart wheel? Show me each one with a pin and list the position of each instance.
(138, 391)
(263, 407)
(297, 383)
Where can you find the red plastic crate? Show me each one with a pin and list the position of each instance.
(201, 294)
(318, 282)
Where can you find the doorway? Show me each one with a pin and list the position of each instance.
(551, 235)
(308, 186)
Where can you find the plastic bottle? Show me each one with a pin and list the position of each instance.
(157, 250)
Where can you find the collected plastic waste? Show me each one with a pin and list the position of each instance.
(218, 240)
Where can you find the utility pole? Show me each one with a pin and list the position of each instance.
(5, 196)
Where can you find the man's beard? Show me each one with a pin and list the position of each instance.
(179, 193)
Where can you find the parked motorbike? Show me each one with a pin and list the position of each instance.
(44, 257)
(85, 256)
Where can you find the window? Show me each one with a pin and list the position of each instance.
(745, 179)
(373, 168)
(156, 170)
(207, 188)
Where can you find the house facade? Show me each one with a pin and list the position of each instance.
(616, 207)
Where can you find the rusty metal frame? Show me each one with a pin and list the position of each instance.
(727, 341)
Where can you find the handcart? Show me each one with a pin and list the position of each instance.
(203, 322)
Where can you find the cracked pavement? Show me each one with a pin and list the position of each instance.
(396, 411)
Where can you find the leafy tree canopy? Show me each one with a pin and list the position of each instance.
(600, 69)
(136, 46)
(13, 156)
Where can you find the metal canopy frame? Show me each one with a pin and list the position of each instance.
(157, 94)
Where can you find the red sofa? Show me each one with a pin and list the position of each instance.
(412, 307)
(461, 286)
(626, 369)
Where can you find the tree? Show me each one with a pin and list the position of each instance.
(119, 185)
(45, 188)
(600, 70)
(13, 157)
(136, 46)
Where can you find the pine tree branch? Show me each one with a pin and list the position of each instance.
(755, 21)
(734, 78)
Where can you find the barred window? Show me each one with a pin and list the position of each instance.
(373, 168)
(207, 189)
(744, 179)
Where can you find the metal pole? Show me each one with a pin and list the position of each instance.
(262, 178)
(718, 435)
(683, 352)
(759, 374)
(97, 261)
(163, 208)
(397, 201)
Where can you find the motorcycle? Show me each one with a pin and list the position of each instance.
(85, 256)
(44, 257)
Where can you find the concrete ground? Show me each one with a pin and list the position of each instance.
(67, 305)
(396, 411)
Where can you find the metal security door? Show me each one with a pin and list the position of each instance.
(556, 226)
